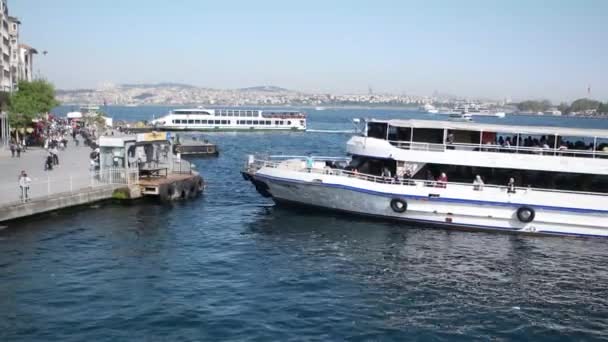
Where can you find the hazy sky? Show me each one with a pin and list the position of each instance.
(511, 48)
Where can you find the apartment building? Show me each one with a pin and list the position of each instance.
(16, 60)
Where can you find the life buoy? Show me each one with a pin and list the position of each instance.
(398, 205)
(525, 214)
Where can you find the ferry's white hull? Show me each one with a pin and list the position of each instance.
(228, 128)
(427, 205)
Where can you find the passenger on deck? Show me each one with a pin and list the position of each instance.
(386, 172)
(309, 162)
(442, 181)
(511, 186)
(478, 183)
(430, 179)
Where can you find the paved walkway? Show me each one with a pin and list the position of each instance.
(72, 173)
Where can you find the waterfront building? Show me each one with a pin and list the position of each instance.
(16, 61)
(5, 47)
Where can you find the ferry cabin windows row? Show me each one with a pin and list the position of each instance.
(229, 122)
(506, 141)
(221, 112)
(237, 113)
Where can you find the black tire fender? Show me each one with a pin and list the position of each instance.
(526, 214)
(398, 205)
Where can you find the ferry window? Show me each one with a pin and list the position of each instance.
(197, 121)
(398, 133)
(217, 122)
(175, 121)
(249, 122)
(289, 122)
(301, 122)
(190, 121)
(276, 122)
(269, 122)
(602, 147)
(255, 122)
(463, 137)
(428, 135)
(377, 130)
(204, 122)
(224, 122)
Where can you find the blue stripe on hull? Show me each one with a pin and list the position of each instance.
(432, 199)
(405, 219)
(466, 227)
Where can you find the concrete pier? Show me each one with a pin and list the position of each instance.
(71, 183)
(56, 201)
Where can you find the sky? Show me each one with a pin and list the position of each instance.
(476, 48)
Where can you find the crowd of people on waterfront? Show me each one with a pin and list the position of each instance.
(52, 136)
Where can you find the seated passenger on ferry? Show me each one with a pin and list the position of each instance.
(511, 186)
(386, 172)
(407, 177)
(478, 183)
(430, 179)
(442, 180)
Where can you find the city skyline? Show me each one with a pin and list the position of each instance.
(471, 49)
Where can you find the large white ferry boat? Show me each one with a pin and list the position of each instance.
(231, 119)
(528, 179)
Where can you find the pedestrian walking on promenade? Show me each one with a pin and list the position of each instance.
(24, 186)
(12, 147)
(18, 148)
(55, 153)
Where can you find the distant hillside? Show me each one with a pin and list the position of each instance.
(270, 89)
(158, 85)
(72, 91)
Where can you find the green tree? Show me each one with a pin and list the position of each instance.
(582, 105)
(564, 108)
(603, 108)
(534, 106)
(31, 101)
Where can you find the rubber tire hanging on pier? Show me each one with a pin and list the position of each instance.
(526, 214)
(398, 205)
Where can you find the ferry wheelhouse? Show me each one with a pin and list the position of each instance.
(231, 119)
(528, 179)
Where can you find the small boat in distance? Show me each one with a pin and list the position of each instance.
(429, 108)
(201, 119)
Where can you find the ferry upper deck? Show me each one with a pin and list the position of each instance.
(432, 135)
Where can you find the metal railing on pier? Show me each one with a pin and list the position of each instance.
(53, 184)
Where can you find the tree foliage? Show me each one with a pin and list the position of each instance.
(582, 105)
(534, 106)
(30, 101)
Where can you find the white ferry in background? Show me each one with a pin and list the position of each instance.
(429, 108)
(533, 180)
(200, 119)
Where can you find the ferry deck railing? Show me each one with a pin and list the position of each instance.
(433, 147)
(275, 162)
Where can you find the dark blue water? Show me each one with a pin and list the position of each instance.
(231, 266)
